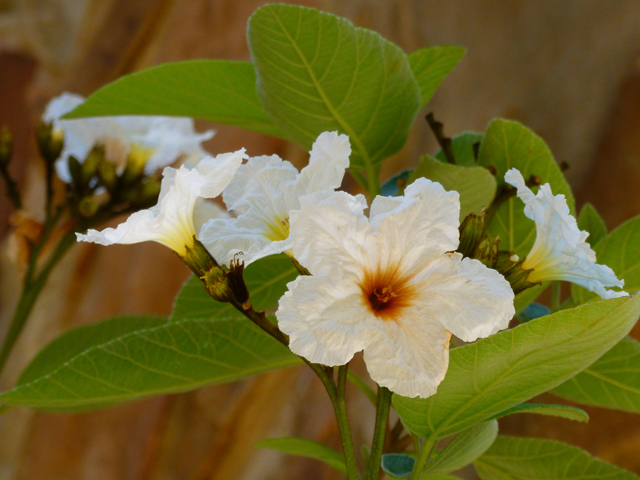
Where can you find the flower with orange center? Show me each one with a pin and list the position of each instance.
(388, 285)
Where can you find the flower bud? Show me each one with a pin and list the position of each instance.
(75, 170)
(88, 206)
(91, 164)
(471, 234)
(108, 176)
(50, 142)
(510, 266)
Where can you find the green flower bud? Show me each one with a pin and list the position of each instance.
(87, 206)
(471, 234)
(50, 142)
(108, 176)
(510, 266)
(91, 164)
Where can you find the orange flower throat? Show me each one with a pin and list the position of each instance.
(386, 292)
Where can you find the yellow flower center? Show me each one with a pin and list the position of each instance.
(278, 230)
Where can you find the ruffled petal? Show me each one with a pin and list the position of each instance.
(325, 320)
(469, 299)
(331, 234)
(424, 223)
(328, 160)
(560, 251)
(408, 355)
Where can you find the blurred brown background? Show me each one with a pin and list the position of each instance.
(569, 70)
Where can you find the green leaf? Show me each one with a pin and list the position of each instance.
(463, 149)
(590, 221)
(266, 280)
(77, 340)
(305, 448)
(508, 144)
(514, 458)
(562, 411)
(173, 357)
(398, 465)
(431, 66)
(439, 477)
(612, 382)
(476, 186)
(219, 91)
(317, 72)
(515, 365)
(527, 296)
(619, 251)
(464, 448)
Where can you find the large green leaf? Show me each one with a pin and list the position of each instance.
(219, 91)
(514, 458)
(590, 221)
(266, 280)
(612, 382)
(173, 357)
(465, 448)
(431, 66)
(562, 411)
(305, 448)
(515, 365)
(619, 250)
(462, 147)
(508, 144)
(75, 341)
(476, 185)
(317, 72)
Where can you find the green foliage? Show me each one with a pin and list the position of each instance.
(219, 91)
(398, 465)
(513, 458)
(612, 382)
(508, 144)
(305, 448)
(527, 296)
(476, 186)
(562, 411)
(173, 357)
(431, 66)
(266, 280)
(75, 341)
(590, 221)
(463, 149)
(464, 448)
(317, 72)
(619, 250)
(508, 368)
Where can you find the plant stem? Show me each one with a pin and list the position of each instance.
(340, 407)
(555, 296)
(31, 290)
(383, 405)
(425, 455)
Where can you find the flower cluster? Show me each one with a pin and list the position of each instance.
(390, 284)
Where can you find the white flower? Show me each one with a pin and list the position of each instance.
(560, 251)
(152, 140)
(388, 285)
(263, 193)
(171, 221)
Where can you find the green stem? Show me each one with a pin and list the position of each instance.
(340, 407)
(30, 292)
(423, 459)
(383, 405)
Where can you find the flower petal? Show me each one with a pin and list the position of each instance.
(325, 319)
(469, 299)
(409, 355)
(560, 251)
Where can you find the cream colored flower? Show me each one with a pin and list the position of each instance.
(560, 251)
(389, 285)
(154, 141)
(264, 192)
(171, 221)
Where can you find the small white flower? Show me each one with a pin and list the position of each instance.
(264, 192)
(152, 140)
(171, 222)
(560, 251)
(388, 285)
